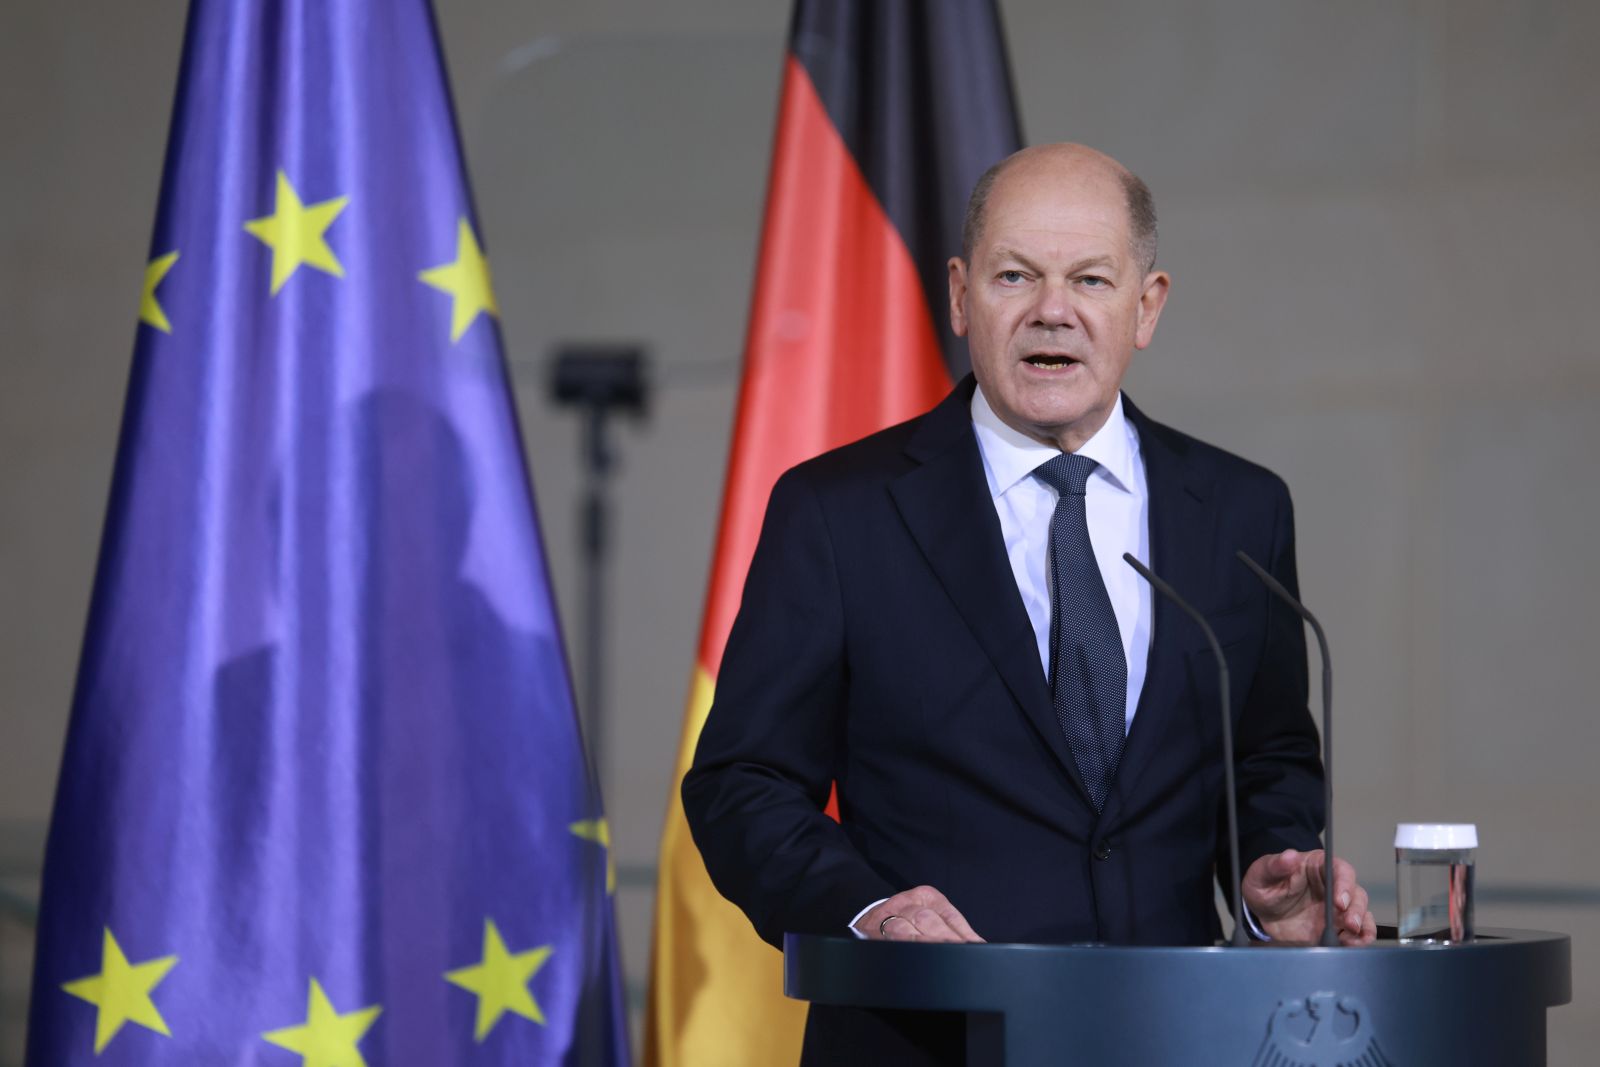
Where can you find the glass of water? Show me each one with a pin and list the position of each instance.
(1434, 872)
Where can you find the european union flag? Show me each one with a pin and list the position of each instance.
(324, 801)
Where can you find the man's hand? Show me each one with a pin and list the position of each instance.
(1285, 893)
(920, 914)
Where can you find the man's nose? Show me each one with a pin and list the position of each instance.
(1054, 306)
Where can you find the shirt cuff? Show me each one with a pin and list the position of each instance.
(857, 934)
(1250, 921)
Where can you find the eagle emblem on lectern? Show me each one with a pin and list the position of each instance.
(1321, 1030)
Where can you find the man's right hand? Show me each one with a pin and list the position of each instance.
(920, 914)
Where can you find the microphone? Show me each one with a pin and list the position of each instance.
(1239, 938)
(1330, 936)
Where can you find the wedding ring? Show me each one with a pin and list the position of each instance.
(885, 922)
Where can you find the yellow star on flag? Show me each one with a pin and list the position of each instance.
(599, 831)
(466, 280)
(122, 992)
(326, 1038)
(501, 981)
(149, 310)
(294, 233)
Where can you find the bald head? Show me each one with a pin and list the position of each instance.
(1070, 162)
(1055, 292)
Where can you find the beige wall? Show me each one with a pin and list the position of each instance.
(1382, 222)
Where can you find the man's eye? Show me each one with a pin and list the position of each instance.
(1094, 281)
(1011, 277)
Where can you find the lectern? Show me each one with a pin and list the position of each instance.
(1382, 1005)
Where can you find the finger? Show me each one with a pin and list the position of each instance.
(931, 925)
(1256, 876)
(1366, 934)
(898, 928)
(926, 895)
(958, 922)
(923, 896)
(1345, 885)
(1299, 871)
(947, 924)
(1273, 883)
(1266, 875)
(1287, 864)
(1356, 919)
(1356, 912)
(875, 925)
(1316, 873)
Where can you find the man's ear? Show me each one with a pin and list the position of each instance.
(1157, 284)
(958, 296)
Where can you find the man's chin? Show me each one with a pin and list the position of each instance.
(1066, 425)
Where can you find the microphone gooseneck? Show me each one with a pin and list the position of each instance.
(1330, 936)
(1171, 594)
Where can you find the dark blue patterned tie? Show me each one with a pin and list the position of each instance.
(1088, 671)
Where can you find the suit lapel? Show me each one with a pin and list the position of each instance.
(945, 504)
(1182, 532)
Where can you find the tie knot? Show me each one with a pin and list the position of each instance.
(1067, 473)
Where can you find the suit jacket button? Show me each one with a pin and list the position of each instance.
(1103, 852)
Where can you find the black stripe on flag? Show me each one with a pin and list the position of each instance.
(921, 95)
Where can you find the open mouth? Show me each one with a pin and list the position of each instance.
(1050, 362)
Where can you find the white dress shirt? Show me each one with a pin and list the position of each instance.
(1117, 505)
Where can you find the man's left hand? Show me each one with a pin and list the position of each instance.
(1285, 893)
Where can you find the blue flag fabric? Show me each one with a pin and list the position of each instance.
(323, 801)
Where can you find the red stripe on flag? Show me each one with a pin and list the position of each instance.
(840, 342)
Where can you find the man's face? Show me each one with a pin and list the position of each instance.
(1054, 302)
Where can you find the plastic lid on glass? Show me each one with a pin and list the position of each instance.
(1440, 835)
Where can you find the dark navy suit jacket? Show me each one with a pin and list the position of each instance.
(882, 645)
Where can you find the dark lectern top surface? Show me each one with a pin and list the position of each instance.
(1479, 1002)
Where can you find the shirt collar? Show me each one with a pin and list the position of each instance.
(1010, 456)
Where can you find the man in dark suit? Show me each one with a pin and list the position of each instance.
(937, 620)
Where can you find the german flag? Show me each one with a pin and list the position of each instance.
(890, 111)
